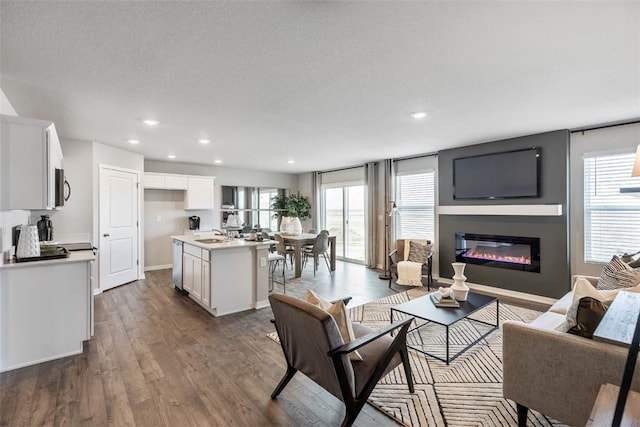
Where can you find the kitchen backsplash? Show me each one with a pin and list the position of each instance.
(8, 220)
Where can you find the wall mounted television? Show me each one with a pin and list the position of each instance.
(504, 175)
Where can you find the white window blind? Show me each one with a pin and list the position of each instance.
(611, 219)
(415, 197)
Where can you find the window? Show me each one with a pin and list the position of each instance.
(265, 217)
(611, 219)
(415, 197)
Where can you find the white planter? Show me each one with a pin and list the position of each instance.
(459, 287)
(291, 226)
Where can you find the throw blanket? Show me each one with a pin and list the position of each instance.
(409, 273)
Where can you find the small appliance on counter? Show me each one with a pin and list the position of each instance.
(45, 229)
(28, 243)
(194, 222)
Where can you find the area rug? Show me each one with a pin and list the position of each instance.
(467, 392)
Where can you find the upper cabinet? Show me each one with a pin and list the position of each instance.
(30, 153)
(199, 193)
(164, 181)
(199, 189)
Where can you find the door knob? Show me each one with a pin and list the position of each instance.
(105, 235)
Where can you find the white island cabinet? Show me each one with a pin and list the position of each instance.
(46, 309)
(225, 277)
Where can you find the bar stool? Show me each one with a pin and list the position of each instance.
(274, 258)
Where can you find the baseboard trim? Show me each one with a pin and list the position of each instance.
(507, 294)
(157, 267)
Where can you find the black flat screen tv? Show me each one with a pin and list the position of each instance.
(505, 175)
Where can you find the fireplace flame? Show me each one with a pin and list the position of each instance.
(494, 257)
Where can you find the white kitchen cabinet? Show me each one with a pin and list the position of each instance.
(46, 309)
(30, 153)
(199, 192)
(206, 283)
(196, 273)
(163, 181)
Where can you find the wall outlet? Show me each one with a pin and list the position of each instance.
(263, 262)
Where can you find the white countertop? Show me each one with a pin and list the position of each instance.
(74, 256)
(223, 244)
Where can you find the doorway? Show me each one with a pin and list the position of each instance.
(344, 217)
(119, 226)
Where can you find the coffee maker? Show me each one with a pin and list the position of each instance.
(194, 222)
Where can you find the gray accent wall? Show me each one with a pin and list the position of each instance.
(553, 231)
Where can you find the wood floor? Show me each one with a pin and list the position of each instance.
(157, 359)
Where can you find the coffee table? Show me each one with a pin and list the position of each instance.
(423, 308)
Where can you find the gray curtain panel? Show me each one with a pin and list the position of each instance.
(372, 212)
(316, 196)
(389, 194)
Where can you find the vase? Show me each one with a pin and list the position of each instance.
(28, 243)
(291, 226)
(459, 287)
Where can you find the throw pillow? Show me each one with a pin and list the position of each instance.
(583, 288)
(418, 252)
(338, 311)
(589, 314)
(617, 274)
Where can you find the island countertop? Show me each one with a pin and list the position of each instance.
(222, 244)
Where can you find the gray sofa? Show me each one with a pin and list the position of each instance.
(557, 373)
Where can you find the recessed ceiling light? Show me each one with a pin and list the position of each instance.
(204, 141)
(171, 156)
(150, 122)
(419, 115)
(134, 141)
(217, 161)
(291, 162)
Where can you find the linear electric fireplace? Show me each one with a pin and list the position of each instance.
(514, 253)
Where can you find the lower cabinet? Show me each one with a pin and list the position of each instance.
(196, 274)
(46, 310)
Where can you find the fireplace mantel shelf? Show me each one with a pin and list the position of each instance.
(521, 210)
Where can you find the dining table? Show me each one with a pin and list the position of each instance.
(298, 241)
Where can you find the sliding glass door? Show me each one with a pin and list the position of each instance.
(344, 217)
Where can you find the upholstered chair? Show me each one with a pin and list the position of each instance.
(398, 254)
(312, 344)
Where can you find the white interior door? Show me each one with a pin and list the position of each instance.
(118, 227)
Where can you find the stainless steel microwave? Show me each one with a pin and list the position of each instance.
(61, 185)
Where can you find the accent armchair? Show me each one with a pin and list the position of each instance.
(398, 254)
(312, 344)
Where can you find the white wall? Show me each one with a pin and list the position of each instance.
(8, 219)
(169, 204)
(164, 216)
(613, 138)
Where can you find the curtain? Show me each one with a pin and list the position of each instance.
(389, 235)
(316, 197)
(372, 212)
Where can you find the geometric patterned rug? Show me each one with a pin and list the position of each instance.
(467, 392)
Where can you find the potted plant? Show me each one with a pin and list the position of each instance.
(279, 205)
(291, 210)
(298, 206)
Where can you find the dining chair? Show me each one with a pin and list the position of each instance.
(319, 248)
(283, 249)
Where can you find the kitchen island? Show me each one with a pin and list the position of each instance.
(46, 309)
(224, 276)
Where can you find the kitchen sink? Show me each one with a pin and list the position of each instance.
(209, 241)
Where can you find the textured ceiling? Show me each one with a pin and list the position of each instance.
(327, 84)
